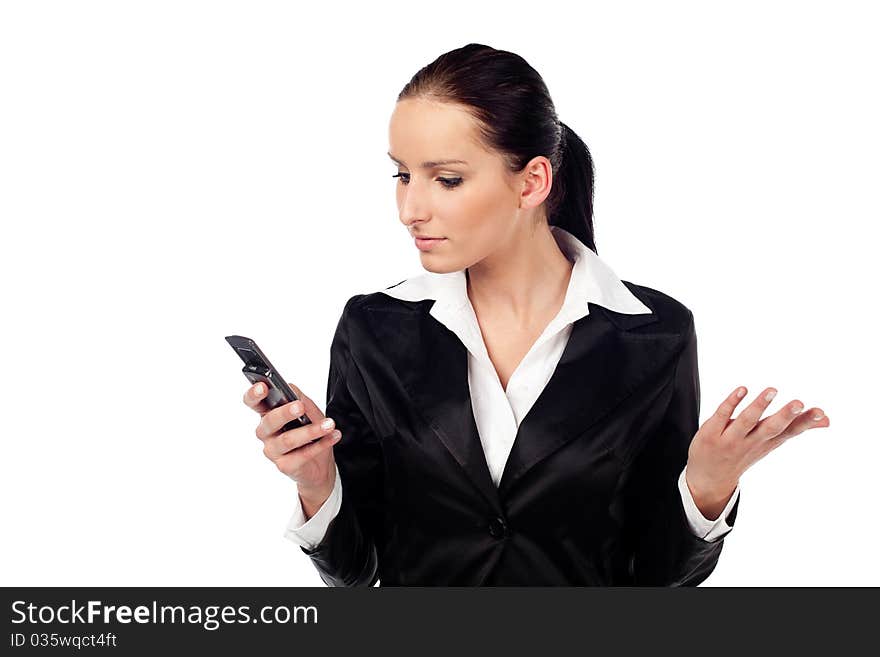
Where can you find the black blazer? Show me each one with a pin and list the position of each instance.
(589, 493)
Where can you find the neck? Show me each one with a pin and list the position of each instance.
(523, 280)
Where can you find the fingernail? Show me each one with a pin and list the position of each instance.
(797, 408)
(337, 435)
(258, 389)
(770, 395)
(741, 392)
(818, 416)
(327, 423)
(296, 408)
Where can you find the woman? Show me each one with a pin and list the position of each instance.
(517, 415)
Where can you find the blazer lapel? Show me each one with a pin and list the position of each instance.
(601, 365)
(431, 363)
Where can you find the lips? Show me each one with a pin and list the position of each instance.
(426, 243)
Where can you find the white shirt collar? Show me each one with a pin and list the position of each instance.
(592, 280)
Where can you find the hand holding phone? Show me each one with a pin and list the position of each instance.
(257, 368)
(299, 448)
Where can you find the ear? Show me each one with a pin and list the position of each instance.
(537, 182)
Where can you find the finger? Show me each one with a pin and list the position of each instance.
(254, 398)
(720, 419)
(813, 418)
(777, 423)
(295, 439)
(743, 424)
(277, 418)
(293, 461)
(314, 413)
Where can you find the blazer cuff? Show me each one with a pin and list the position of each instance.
(702, 527)
(309, 533)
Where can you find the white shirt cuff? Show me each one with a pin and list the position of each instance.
(702, 527)
(308, 533)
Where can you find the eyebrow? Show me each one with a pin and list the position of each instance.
(431, 163)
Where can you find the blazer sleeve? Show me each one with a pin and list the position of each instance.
(664, 549)
(347, 553)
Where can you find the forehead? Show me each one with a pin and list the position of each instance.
(422, 129)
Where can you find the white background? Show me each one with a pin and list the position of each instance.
(174, 172)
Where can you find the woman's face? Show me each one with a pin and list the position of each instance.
(475, 205)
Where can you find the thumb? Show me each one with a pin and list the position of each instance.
(314, 413)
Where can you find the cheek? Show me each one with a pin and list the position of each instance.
(488, 219)
(477, 209)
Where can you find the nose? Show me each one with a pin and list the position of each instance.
(411, 208)
(410, 224)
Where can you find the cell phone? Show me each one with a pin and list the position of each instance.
(258, 368)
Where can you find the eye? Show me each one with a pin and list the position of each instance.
(448, 183)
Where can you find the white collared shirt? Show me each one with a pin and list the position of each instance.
(498, 412)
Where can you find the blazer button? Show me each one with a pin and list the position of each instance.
(497, 527)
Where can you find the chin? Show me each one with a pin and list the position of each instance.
(438, 267)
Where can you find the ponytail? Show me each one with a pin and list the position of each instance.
(571, 206)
